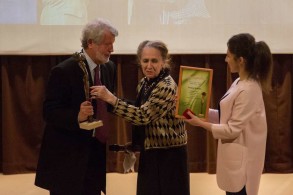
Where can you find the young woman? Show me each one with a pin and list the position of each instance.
(240, 123)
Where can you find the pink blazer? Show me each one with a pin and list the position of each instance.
(241, 135)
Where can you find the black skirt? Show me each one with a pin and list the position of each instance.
(163, 172)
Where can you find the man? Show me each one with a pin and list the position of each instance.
(72, 160)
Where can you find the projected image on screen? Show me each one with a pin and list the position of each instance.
(64, 12)
(187, 26)
(165, 11)
(18, 12)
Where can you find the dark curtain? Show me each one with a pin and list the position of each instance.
(23, 82)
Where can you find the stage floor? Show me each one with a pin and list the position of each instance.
(125, 184)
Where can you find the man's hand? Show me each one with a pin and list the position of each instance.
(86, 110)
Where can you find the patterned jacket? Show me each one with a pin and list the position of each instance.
(162, 129)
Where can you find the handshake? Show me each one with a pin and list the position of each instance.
(128, 147)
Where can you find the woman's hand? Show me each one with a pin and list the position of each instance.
(103, 93)
(195, 121)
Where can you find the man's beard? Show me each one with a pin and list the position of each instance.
(102, 58)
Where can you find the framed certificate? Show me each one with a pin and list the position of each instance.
(194, 91)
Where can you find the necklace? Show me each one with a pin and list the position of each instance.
(150, 84)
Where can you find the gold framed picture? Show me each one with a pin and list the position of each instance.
(194, 91)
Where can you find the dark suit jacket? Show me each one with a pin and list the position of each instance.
(65, 150)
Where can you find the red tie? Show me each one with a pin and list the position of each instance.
(101, 113)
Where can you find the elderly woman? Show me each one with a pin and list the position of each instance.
(163, 166)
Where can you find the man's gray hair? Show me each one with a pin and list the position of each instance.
(94, 31)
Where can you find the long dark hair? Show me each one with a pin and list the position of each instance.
(258, 57)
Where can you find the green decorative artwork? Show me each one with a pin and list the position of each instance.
(194, 91)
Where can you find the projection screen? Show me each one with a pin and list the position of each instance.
(53, 27)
